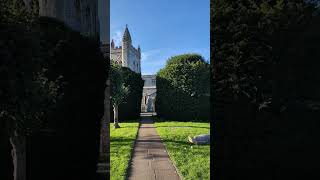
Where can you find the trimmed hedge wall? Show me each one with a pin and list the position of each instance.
(77, 117)
(70, 142)
(131, 108)
(183, 88)
(266, 90)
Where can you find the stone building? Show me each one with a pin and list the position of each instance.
(105, 49)
(148, 93)
(80, 15)
(126, 55)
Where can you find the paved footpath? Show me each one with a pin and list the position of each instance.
(150, 160)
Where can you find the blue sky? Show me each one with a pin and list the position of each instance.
(162, 28)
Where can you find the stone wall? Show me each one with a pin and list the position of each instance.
(105, 49)
(149, 93)
(116, 54)
(80, 15)
(134, 59)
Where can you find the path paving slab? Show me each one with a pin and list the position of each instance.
(150, 159)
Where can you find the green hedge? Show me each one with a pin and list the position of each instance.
(183, 88)
(266, 65)
(131, 108)
(84, 72)
(53, 78)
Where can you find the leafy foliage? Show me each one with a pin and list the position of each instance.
(52, 78)
(130, 92)
(263, 56)
(183, 88)
(249, 40)
(17, 12)
(119, 91)
(77, 60)
(27, 94)
(130, 110)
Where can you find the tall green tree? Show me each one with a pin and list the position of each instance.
(130, 110)
(248, 39)
(261, 61)
(27, 94)
(183, 88)
(44, 80)
(119, 91)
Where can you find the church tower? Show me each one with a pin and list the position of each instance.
(126, 55)
(126, 46)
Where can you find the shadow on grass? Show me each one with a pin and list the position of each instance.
(177, 142)
(129, 140)
(121, 142)
(161, 120)
(126, 127)
(183, 127)
(163, 141)
(185, 143)
(120, 139)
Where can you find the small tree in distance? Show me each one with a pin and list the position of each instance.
(119, 91)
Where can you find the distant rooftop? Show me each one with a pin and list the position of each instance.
(148, 75)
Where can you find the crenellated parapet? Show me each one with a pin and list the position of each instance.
(117, 47)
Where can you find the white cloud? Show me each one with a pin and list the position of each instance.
(148, 55)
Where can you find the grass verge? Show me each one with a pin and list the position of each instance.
(192, 161)
(121, 144)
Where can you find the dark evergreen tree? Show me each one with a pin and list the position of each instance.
(261, 52)
(52, 95)
(183, 89)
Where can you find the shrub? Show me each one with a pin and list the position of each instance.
(53, 78)
(183, 89)
(130, 110)
(131, 107)
(76, 119)
(265, 65)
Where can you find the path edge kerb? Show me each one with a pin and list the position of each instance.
(172, 162)
(131, 153)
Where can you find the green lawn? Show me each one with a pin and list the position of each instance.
(192, 161)
(121, 144)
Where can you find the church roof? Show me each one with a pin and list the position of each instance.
(126, 35)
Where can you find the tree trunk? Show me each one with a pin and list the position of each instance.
(115, 113)
(19, 156)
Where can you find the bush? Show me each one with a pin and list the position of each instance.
(131, 108)
(76, 119)
(53, 79)
(183, 89)
(264, 73)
